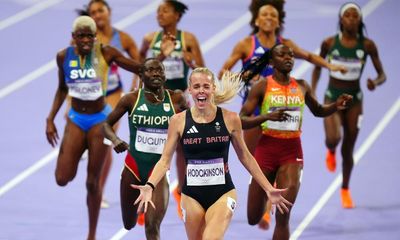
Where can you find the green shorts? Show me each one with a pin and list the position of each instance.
(333, 94)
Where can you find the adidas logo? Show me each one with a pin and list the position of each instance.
(193, 129)
(259, 50)
(143, 107)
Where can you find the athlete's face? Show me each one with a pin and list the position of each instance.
(166, 15)
(350, 20)
(153, 74)
(84, 39)
(283, 58)
(100, 14)
(267, 19)
(202, 88)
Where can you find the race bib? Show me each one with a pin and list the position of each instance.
(173, 68)
(205, 172)
(353, 73)
(89, 89)
(150, 140)
(292, 124)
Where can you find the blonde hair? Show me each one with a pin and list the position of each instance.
(226, 89)
(84, 21)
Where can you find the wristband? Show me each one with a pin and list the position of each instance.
(151, 185)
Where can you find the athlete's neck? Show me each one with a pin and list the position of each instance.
(204, 115)
(281, 77)
(170, 29)
(156, 94)
(267, 39)
(104, 34)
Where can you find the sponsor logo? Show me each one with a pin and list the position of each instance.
(167, 107)
(259, 50)
(143, 107)
(193, 129)
(82, 73)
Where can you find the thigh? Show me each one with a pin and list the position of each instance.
(97, 151)
(352, 120)
(219, 215)
(193, 217)
(72, 146)
(332, 123)
(288, 176)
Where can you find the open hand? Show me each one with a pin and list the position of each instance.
(51, 133)
(144, 198)
(278, 115)
(120, 146)
(167, 44)
(276, 198)
(343, 101)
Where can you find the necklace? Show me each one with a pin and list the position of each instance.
(156, 96)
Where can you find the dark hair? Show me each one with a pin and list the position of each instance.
(255, 6)
(142, 66)
(85, 10)
(254, 68)
(179, 7)
(361, 27)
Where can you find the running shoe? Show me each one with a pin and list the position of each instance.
(330, 161)
(265, 221)
(347, 202)
(140, 219)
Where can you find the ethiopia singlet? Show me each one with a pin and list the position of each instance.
(114, 78)
(206, 149)
(86, 78)
(148, 125)
(279, 96)
(352, 58)
(257, 51)
(176, 69)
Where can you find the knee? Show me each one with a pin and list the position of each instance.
(61, 180)
(152, 228)
(92, 186)
(253, 220)
(332, 141)
(128, 225)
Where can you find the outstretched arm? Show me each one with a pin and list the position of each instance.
(112, 54)
(317, 69)
(238, 52)
(248, 161)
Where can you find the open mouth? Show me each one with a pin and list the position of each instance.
(201, 99)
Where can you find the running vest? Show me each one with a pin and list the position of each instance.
(257, 51)
(176, 69)
(352, 58)
(148, 126)
(114, 78)
(86, 78)
(206, 149)
(279, 96)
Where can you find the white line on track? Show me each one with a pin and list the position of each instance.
(47, 67)
(24, 14)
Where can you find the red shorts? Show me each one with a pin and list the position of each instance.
(271, 153)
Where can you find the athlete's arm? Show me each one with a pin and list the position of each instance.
(319, 110)
(131, 49)
(239, 52)
(112, 54)
(235, 128)
(325, 46)
(192, 53)
(372, 50)
(125, 104)
(312, 57)
(61, 93)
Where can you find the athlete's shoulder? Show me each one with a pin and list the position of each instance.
(148, 37)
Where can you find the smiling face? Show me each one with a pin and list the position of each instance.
(202, 88)
(84, 39)
(153, 74)
(282, 58)
(100, 13)
(267, 19)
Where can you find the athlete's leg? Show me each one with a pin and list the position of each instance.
(193, 217)
(128, 196)
(154, 217)
(97, 153)
(181, 171)
(256, 200)
(219, 215)
(288, 176)
(72, 146)
(332, 126)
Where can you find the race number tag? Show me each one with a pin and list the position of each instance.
(87, 90)
(292, 124)
(353, 73)
(205, 172)
(150, 140)
(173, 68)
